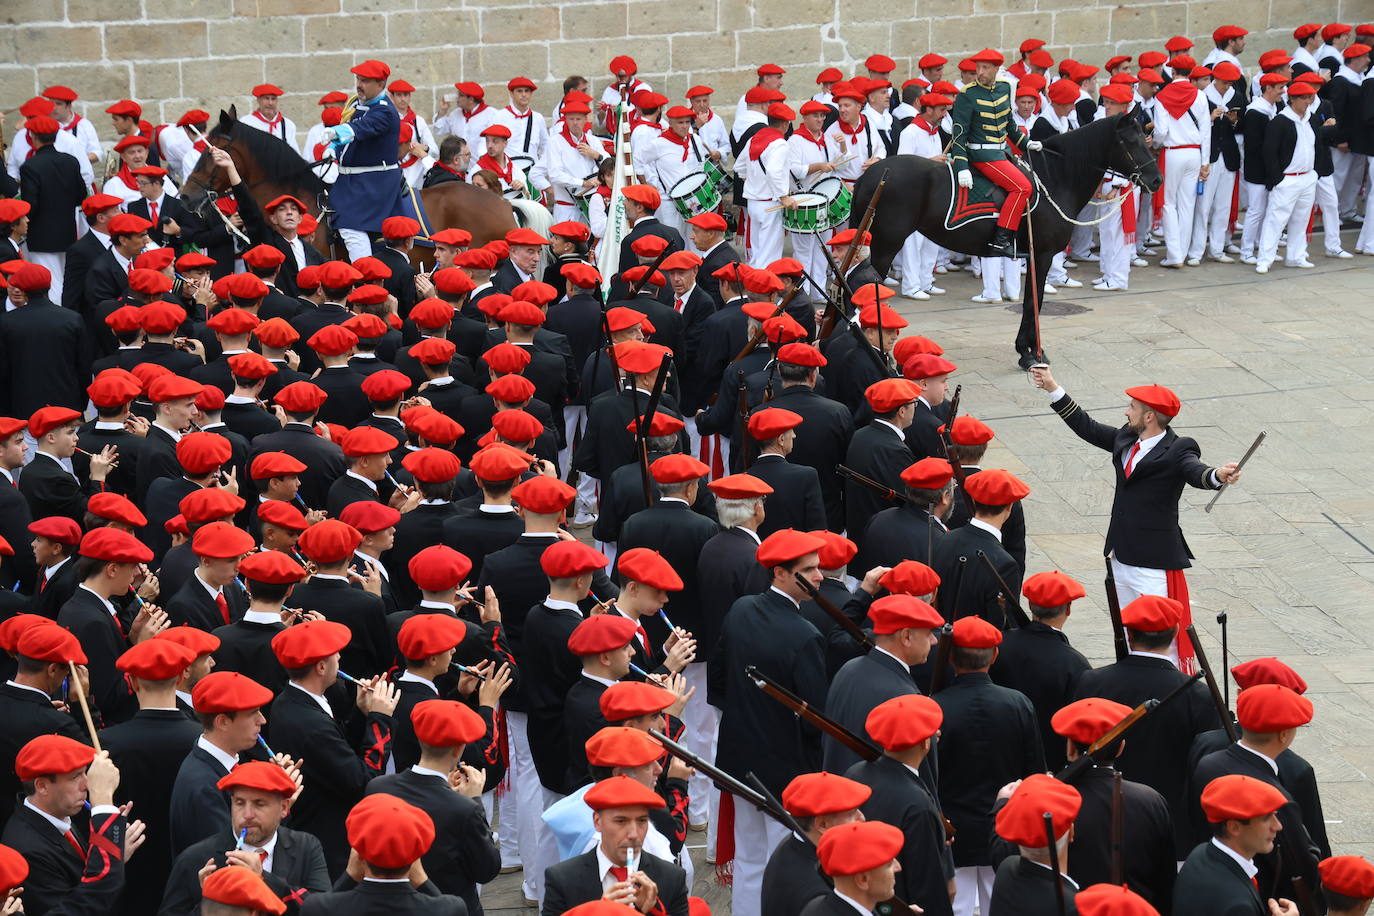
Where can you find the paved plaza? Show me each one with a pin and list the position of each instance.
(1288, 554)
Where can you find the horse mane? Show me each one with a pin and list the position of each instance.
(1083, 147)
(272, 153)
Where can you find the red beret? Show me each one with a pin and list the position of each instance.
(904, 721)
(739, 486)
(801, 354)
(156, 660)
(273, 566)
(649, 567)
(621, 792)
(1268, 708)
(928, 474)
(601, 633)
(570, 559)
(263, 257)
(431, 425)
(47, 419)
(251, 366)
(110, 545)
(783, 547)
(891, 393)
(338, 275)
(1156, 397)
(1152, 614)
(543, 495)
(858, 847)
(445, 723)
(260, 775)
(637, 274)
(1085, 721)
(53, 644)
(433, 351)
(282, 515)
(899, 612)
(619, 746)
(581, 275)
(221, 540)
(678, 468)
(1112, 900)
(649, 246)
(1267, 671)
(970, 430)
(535, 291)
(927, 365)
(385, 385)
(210, 399)
(622, 318)
(15, 627)
(509, 389)
(432, 465)
(644, 195)
(399, 227)
(838, 549)
(371, 70)
(1239, 798)
(228, 691)
(507, 357)
(1051, 589)
(329, 541)
(872, 294)
(974, 632)
(520, 312)
(524, 236)
(113, 507)
(198, 641)
(369, 516)
(171, 387)
(51, 755)
(367, 440)
(199, 453)
(125, 319)
(663, 424)
(1349, 876)
(995, 487)
(366, 325)
(772, 422)
(438, 568)
(149, 283)
(276, 333)
(632, 699)
(208, 504)
(424, 635)
(813, 794)
(499, 462)
(367, 294)
(1022, 819)
(111, 388)
(712, 222)
(388, 832)
(308, 642)
(332, 340)
(63, 530)
(475, 259)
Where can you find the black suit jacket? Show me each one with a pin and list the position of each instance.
(105, 281)
(376, 899)
(607, 443)
(477, 533)
(578, 318)
(169, 208)
(712, 261)
(674, 530)
(901, 799)
(1024, 888)
(1013, 531)
(1144, 528)
(858, 687)
(622, 495)
(582, 718)
(59, 882)
(50, 490)
(45, 358)
(793, 878)
(550, 671)
(1038, 661)
(822, 441)
(335, 774)
(193, 606)
(198, 808)
(1211, 883)
(158, 459)
(902, 532)
(1148, 855)
(347, 490)
(723, 335)
(417, 529)
(103, 641)
(368, 652)
(27, 715)
(51, 182)
(124, 478)
(323, 460)
(463, 855)
(875, 451)
(297, 865)
(310, 320)
(347, 405)
(401, 283)
(978, 592)
(796, 500)
(246, 647)
(727, 569)
(80, 256)
(576, 881)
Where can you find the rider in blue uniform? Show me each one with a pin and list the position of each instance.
(370, 187)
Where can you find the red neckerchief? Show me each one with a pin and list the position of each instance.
(637, 121)
(452, 171)
(481, 107)
(567, 135)
(28, 135)
(806, 135)
(854, 131)
(762, 140)
(924, 125)
(1177, 97)
(603, 191)
(319, 150)
(409, 117)
(200, 145)
(76, 119)
(127, 177)
(516, 114)
(486, 162)
(407, 162)
(671, 137)
(273, 123)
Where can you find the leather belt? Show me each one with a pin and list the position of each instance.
(362, 169)
(984, 145)
(1186, 146)
(1304, 172)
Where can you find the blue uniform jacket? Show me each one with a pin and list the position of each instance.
(361, 201)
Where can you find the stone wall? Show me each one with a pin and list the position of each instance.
(179, 54)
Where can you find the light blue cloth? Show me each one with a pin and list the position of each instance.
(571, 822)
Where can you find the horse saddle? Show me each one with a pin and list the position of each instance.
(984, 199)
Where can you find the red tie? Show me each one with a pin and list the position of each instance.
(677, 305)
(152, 212)
(619, 873)
(1130, 457)
(643, 636)
(42, 581)
(223, 607)
(81, 853)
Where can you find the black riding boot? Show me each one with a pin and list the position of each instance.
(1002, 244)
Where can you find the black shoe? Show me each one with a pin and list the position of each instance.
(1002, 244)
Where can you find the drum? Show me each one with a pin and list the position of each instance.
(526, 165)
(839, 199)
(694, 195)
(715, 174)
(810, 215)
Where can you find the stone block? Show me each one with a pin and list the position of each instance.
(23, 83)
(1159, 21)
(693, 53)
(780, 14)
(154, 80)
(969, 33)
(240, 36)
(509, 26)
(780, 45)
(731, 17)
(1068, 29)
(226, 74)
(913, 35)
(157, 42)
(20, 11)
(309, 75)
(334, 33)
(429, 29)
(877, 11)
(43, 44)
(379, 6)
(273, 8)
(601, 20)
(670, 17)
(181, 10)
(492, 67)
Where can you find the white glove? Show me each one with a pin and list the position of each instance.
(965, 178)
(1034, 146)
(329, 134)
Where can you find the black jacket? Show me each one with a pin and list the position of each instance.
(822, 441)
(1037, 660)
(1254, 123)
(875, 451)
(298, 870)
(902, 532)
(979, 591)
(712, 261)
(198, 808)
(1211, 883)
(103, 640)
(50, 180)
(193, 606)
(550, 670)
(576, 881)
(793, 878)
(80, 256)
(1280, 143)
(727, 569)
(27, 715)
(59, 883)
(45, 358)
(796, 501)
(901, 798)
(371, 898)
(478, 533)
(169, 208)
(323, 460)
(1147, 839)
(51, 490)
(369, 651)
(674, 530)
(1024, 888)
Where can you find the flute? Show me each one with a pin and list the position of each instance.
(263, 743)
(353, 680)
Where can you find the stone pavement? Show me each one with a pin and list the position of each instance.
(1288, 554)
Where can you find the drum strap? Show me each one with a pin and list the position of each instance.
(737, 146)
(529, 129)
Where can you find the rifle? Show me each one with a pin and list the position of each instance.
(960, 476)
(859, 745)
(1007, 598)
(839, 616)
(640, 455)
(642, 427)
(742, 410)
(854, 245)
(958, 590)
(885, 491)
(1105, 748)
(648, 274)
(1054, 863)
(942, 656)
(835, 314)
(1114, 612)
(759, 336)
(1118, 872)
(1223, 711)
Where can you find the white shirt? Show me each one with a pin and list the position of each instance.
(751, 532)
(222, 757)
(324, 704)
(176, 436)
(49, 571)
(267, 617)
(414, 678)
(855, 904)
(899, 433)
(714, 134)
(1269, 761)
(1246, 865)
(185, 697)
(215, 591)
(1145, 446)
(357, 476)
(666, 162)
(1305, 151)
(1186, 131)
(283, 127)
(561, 605)
(979, 523)
(19, 686)
(802, 153)
(64, 824)
(470, 127)
(918, 140)
(566, 167)
(317, 147)
(1303, 56)
(863, 145)
(794, 601)
(767, 177)
(745, 120)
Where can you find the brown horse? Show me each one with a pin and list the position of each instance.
(270, 167)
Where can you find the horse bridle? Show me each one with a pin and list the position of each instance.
(1137, 166)
(212, 195)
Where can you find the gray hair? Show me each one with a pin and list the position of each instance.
(734, 512)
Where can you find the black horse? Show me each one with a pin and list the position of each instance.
(1070, 167)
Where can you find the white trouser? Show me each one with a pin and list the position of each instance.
(765, 233)
(1181, 170)
(56, 263)
(973, 889)
(501, 811)
(1257, 201)
(1056, 275)
(1349, 169)
(574, 421)
(588, 494)
(563, 213)
(1290, 205)
(1134, 581)
(529, 805)
(702, 721)
(756, 836)
(1114, 253)
(1213, 213)
(358, 243)
(667, 215)
(809, 248)
(1001, 278)
(1325, 201)
(1366, 240)
(917, 259)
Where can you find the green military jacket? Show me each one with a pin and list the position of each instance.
(982, 118)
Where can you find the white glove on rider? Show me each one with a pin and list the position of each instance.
(329, 134)
(1034, 146)
(965, 178)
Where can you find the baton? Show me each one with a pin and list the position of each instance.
(1239, 465)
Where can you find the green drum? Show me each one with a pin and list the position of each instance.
(694, 194)
(715, 174)
(810, 215)
(839, 200)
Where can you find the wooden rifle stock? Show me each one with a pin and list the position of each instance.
(1223, 711)
(942, 656)
(856, 243)
(1118, 872)
(839, 616)
(885, 491)
(742, 416)
(1104, 748)
(1010, 603)
(642, 428)
(648, 274)
(1114, 612)
(1053, 844)
(947, 435)
(722, 779)
(861, 746)
(834, 306)
(759, 335)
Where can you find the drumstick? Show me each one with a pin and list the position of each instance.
(85, 708)
(842, 160)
